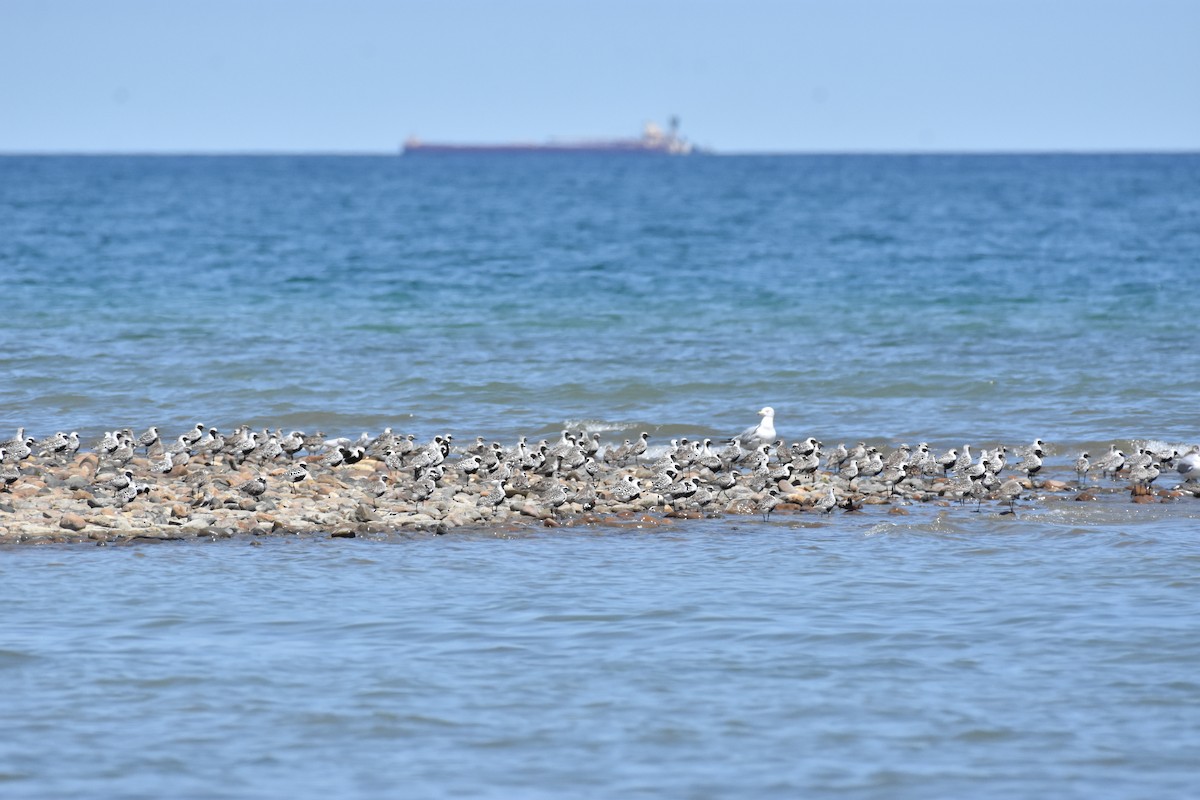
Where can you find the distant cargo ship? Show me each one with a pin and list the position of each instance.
(654, 141)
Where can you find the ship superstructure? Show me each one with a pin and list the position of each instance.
(653, 141)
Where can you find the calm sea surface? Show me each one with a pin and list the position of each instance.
(950, 299)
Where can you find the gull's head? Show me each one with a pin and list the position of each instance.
(767, 412)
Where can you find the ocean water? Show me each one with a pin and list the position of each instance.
(949, 299)
(946, 299)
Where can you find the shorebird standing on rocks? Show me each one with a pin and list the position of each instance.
(964, 460)
(1144, 474)
(1082, 466)
(768, 503)
(19, 451)
(638, 448)
(334, 458)
(1112, 463)
(194, 435)
(826, 504)
(9, 473)
(255, 487)
(494, 496)
(627, 489)
(165, 464)
(292, 443)
(423, 489)
(1010, 492)
(148, 439)
(294, 475)
(836, 458)
(555, 496)
(19, 438)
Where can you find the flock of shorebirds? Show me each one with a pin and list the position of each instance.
(580, 469)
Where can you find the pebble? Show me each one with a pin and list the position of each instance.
(72, 522)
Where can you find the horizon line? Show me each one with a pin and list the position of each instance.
(200, 153)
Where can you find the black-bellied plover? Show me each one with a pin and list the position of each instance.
(334, 458)
(707, 459)
(554, 496)
(126, 496)
(165, 464)
(245, 446)
(423, 489)
(660, 482)
(1009, 492)
(1144, 474)
(295, 474)
(493, 497)
(292, 443)
(639, 447)
(768, 503)
(255, 487)
(849, 471)
(381, 486)
(724, 481)
(108, 443)
(148, 439)
(19, 438)
(890, 476)
(617, 454)
(947, 461)
(1082, 467)
(837, 457)
(964, 460)
(19, 451)
(807, 465)
(678, 490)
(626, 489)
(313, 443)
(470, 466)
(194, 435)
(827, 502)
(123, 479)
(1112, 463)
(9, 473)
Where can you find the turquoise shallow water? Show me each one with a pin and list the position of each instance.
(982, 299)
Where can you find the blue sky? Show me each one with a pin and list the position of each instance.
(834, 75)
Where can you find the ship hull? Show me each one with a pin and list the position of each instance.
(624, 148)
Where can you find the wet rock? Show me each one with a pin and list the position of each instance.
(1085, 496)
(72, 522)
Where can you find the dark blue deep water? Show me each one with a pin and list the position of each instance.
(943, 653)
